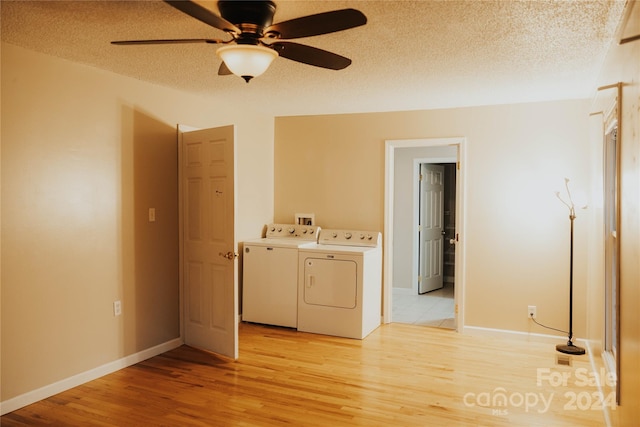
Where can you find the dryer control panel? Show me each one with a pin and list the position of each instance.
(350, 238)
(301, 232)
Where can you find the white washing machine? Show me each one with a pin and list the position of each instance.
(340, 284)
(270, 274)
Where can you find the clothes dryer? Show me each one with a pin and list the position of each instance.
(340, 284)
(270, 274)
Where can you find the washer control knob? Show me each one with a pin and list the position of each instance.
(361, 236)
(369, 237)
(279, 229)
(304, 231)
(347, 236)
(334, 235)
(291, 230)
(273, 229)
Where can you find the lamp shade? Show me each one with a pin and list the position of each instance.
(245, 60)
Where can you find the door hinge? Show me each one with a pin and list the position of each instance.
(458, 165)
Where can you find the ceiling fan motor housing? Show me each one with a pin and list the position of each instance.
(251, 17)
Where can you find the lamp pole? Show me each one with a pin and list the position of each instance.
(570, 348)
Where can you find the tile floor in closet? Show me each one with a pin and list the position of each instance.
(435, 308)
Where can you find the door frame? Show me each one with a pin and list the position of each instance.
(612, 120)
(460, 271)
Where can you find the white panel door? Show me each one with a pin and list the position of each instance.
(209, 263)
(431, 227)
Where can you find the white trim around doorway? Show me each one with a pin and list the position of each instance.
(390, 147)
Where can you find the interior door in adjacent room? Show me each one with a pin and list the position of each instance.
(431, 228)
(209, 258)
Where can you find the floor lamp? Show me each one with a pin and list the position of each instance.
(570, 348)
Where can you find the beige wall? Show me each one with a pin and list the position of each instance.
(622, 66)
(517, 232)
(85, 153)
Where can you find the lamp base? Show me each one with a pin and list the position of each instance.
(569, 348)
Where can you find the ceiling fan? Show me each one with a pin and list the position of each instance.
(255, 41)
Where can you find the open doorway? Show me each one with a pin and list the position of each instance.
(411, 260)
(431, 302)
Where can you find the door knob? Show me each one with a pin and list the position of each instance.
(229, 255)
(452, 241)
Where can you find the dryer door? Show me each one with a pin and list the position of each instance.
(330, 282)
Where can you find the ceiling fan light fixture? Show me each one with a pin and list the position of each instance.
(246, 60)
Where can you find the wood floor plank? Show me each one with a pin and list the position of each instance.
(400, 375)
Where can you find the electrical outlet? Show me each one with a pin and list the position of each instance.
(117, 308)
(531, 312)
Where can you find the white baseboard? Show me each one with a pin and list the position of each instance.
(28, 398)
(517, 335)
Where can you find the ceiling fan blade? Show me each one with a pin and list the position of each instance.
(311, 55)
(320, 23)
(203, 14)
(224, 70)
(167, 41)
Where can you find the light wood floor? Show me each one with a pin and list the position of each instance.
(401, 375)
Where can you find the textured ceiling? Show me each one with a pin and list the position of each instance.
(410, 54)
